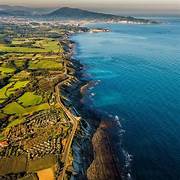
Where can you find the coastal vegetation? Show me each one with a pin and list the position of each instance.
(36, 129)
(29, 99)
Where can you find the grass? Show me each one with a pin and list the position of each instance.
(8, 49)
(19, 63)
(1, 101)
(20, 76)
(9, 89)
(40, 46)
(37, 108)
(2, 138)
(22, 56)
(6, 70)
(45, 64)
(2, 116)
(15, 123)
(29, 99)
(20, 41)
(3, 91)
(16, 86)
(49, 45)
(16, 109)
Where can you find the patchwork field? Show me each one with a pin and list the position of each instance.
(20, 76)
(15, 108)
(4, 70)
(22, 56)
(34, 128)
(29, 99)
(20, 45)
(45, 64)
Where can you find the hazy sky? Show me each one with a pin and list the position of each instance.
(169, 6)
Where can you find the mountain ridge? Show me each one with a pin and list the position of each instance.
(80, 14)
(65, 13)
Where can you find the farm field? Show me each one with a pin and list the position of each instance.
(45, 64)
(32, 46)
(35, 67)
(22, 57)
(11, 89)
(29, 99)
(4, 70)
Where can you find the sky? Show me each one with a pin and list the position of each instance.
(116, 6)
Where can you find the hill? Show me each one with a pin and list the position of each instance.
(79, 14)
(64, 13)
(75, 13)
(22, 11)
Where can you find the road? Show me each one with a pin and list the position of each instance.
(73, 119)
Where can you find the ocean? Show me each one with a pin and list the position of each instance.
(137, 70)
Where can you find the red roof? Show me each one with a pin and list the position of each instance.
(3, 144)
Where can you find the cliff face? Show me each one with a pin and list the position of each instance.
(106, 164)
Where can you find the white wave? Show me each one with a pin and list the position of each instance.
(128, 157)
(129, 176)
(116, 117)
(93, 94)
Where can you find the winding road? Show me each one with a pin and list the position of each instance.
(73, 119)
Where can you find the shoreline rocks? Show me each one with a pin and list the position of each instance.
(106, 164)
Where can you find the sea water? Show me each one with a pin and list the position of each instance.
(138, 70)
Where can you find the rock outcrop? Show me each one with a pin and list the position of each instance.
(106, 164)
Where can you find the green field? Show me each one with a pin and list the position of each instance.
(45, 64)
(15, 87)
(2, 115)
(20, 76)
(35, 46)
(16, 109)
(6, 70)
(2, 138)
(49, 44)
(21, 50)
(15, 123)
(34, 126)
(37, 108)
(21, 41)
(19, 63)
(29, 99)
(11, 88)
(3, 90)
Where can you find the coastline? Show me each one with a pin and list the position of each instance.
(94, 148)
(86, 90)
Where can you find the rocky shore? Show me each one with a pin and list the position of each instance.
(97, 152)
(106, 164)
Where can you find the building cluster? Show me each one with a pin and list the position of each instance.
(39, 135)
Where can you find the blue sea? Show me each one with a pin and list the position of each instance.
(138, 72)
